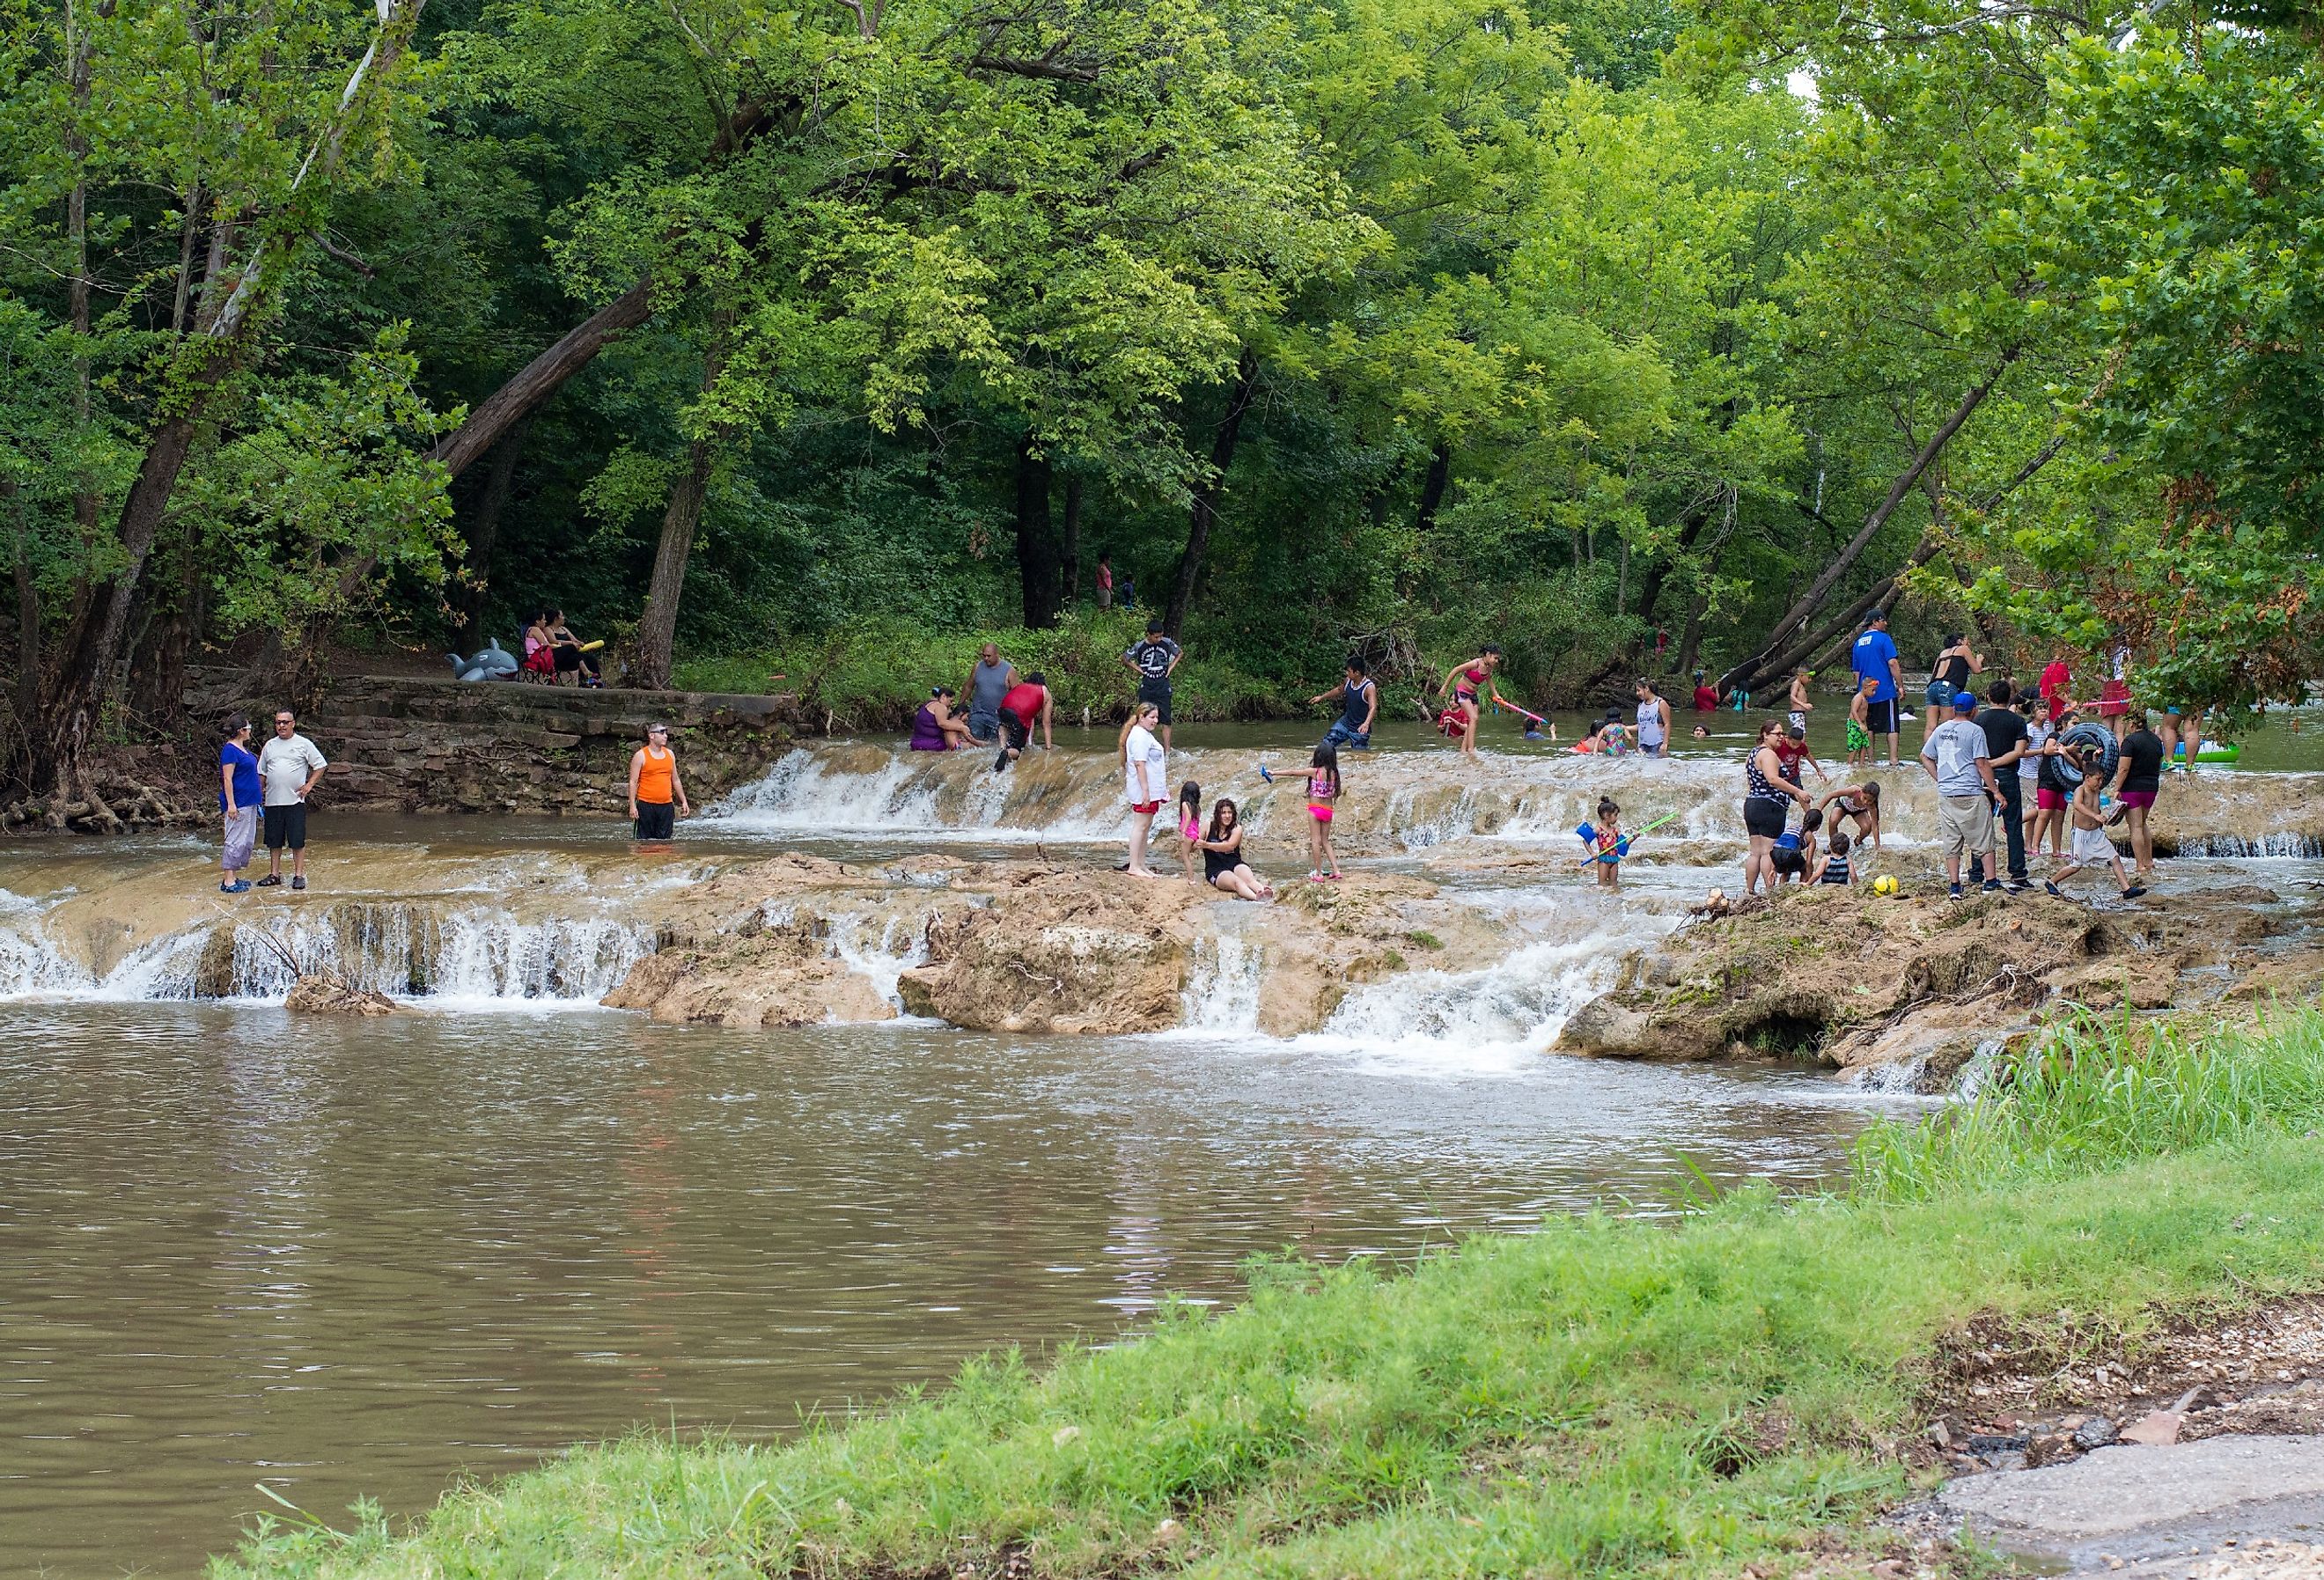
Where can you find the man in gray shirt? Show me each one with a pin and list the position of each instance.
(1959, 759)
(987, 683)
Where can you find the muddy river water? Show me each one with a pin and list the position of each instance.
(358, 1258)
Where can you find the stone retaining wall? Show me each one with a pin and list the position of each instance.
(404, 744)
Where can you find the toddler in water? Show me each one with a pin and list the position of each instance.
(1190, 826)
(1796, 854)
(1835, 868)
(1322, 798)
(1609, 843)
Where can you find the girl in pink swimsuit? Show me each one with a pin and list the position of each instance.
(1323, 797)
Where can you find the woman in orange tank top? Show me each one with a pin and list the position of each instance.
(655, 786)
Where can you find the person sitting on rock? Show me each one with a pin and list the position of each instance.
(1223, 862)
(1834, 868)
(936, 727)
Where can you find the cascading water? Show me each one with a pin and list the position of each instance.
(403, 950)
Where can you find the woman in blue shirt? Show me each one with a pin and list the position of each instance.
(238, 801)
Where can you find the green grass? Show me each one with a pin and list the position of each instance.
(1605, 1397)
(874, 676)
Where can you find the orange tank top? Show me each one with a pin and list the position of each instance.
(654, 777)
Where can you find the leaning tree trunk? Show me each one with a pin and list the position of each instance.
(1204, 514)
(1762, 666)
(1036, 542)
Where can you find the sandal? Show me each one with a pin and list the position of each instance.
(272, 880)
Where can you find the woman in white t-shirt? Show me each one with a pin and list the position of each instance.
(1144, 781)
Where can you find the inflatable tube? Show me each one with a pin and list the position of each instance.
(2090, 737)
(2207, 755)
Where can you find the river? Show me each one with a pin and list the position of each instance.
(359, 1257)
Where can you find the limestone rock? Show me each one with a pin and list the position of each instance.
(318, 994)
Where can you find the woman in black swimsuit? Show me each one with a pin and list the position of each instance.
(1949, 677)
(1222, 864)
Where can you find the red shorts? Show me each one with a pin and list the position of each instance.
(1146, 809)
(2137, 798)
(2049, 800)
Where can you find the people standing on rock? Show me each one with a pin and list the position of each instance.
(1153, 661)
(571, 654)
(1105, 580)
(2138, 781)
(1959, 760)
(1358, 694)
(656, 793)
(2113, 693)
(1767, 798)
(1322, 803)
(2182, 733)
(1222, 864)
(1654, 719)
(2092, 848)
(1801, 705)
(2053, 793)
(1949, 676)
(936, 727)
(238, 801)
(1469, 685)
(1859, 804)
(289, 767)
(1190, 826)
(989, 681)
(1874, 657)
(2005, 744)
(1145, 780)
(1020, 706)
(2029, 769)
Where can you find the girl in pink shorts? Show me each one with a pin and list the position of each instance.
(1323, 797)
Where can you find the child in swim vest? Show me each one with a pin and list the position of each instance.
(1322, 799)
(1609, 843)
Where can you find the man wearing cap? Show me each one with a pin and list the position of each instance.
(1958, 758)
(657, 795)
(1874, 658)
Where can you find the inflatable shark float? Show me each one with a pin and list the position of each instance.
(494, 663)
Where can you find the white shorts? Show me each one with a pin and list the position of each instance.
(2092, 848)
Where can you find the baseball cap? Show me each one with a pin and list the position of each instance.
(1964, 701)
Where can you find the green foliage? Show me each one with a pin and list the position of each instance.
(1599, 1398)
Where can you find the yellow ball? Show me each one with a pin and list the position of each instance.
(1883, 885)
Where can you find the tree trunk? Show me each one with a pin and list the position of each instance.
(1036, 542)
(28, 612)
(1204, 514)
(484, 530)
(658, 625)
(1658, 571)
(1757, 667)
(1883, 593)
(1432, 487)
(542, 377)
(1069, 576)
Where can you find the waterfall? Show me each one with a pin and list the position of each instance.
(406, 950)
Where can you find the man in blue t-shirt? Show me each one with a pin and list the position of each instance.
(1874, 659)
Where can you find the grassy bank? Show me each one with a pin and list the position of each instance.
(1603, 1397)
(873, 676)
